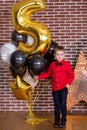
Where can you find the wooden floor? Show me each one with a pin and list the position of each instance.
(16, 121)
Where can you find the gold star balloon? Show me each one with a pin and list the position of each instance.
(78, 89)
(21, 89)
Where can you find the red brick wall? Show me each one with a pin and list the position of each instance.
(67, 22)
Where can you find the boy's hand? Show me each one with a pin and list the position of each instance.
(35, 77)
(67, 85)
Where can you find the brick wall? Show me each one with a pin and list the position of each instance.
(67, 22)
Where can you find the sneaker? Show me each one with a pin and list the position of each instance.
(56, 124)
(62, 125)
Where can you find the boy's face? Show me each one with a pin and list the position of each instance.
(59, 55)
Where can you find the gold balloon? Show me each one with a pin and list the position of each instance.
(21, 16)
(21, 13)
(21, 89)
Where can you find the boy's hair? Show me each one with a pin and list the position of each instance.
(59, 48)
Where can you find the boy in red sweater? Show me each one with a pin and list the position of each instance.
(62, 76)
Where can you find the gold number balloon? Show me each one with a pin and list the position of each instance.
(21, 12)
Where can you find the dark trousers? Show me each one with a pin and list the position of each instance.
(59, 98)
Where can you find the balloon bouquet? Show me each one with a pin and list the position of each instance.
(28, 53)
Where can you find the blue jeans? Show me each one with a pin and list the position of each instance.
(59, 98)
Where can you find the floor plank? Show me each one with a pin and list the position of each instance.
(16, 121)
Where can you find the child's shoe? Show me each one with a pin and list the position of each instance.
(62, 125)
(56, 124)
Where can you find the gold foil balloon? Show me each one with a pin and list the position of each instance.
(21, 89)
(40, 41)
(21, 13)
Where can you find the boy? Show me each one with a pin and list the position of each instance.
(62, 76)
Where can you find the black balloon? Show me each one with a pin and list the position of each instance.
(36, 65)
(49, 56)
(16, 72)
(18, 60)
(17, 37)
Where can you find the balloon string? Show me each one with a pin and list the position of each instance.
(30, 107)
(38, 94)
(36, 97)
(31, 117)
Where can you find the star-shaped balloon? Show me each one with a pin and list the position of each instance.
(21, 89)
(78, 89)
